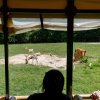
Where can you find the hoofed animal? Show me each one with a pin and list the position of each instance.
(32, 57)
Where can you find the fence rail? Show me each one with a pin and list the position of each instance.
(84, 97)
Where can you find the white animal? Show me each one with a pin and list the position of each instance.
(31, 55)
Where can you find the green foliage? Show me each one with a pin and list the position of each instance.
(22, 38)
(39, 36)
(84, 60)
(50, 36)
(1, 38)
(87, 36)
(43, 36)
(12, 39)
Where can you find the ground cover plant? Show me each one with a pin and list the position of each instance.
(26, 79)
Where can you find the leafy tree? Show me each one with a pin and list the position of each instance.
(1, 38)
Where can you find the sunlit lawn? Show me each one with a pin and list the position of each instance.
(26, 79)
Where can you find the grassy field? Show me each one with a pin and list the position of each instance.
(26, 79)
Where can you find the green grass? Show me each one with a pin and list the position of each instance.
(1, 51)
(86, 79)
(60, 49)
(54, 48)
(92, 50)
(25, 79)
(2, 80)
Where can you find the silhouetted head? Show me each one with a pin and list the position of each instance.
(53, 82)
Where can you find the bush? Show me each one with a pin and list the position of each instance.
(1, 38)
(50, 36)
(43, 36)
(87, 36)
(84, 60)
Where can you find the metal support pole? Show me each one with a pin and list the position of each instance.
(70, 21)
(41, 20)
(69, 56)
(5, 31)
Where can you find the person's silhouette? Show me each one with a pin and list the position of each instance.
(53, 83)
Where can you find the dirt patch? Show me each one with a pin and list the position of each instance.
(45, 60)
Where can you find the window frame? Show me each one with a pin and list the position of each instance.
(70, 11)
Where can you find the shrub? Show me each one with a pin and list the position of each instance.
(84, 60)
